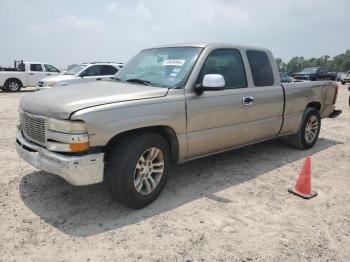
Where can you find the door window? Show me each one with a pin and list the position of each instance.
(50, 68)
(229, 64)
(36, 67)
(94, 70)
(108, 70)
(261, 68)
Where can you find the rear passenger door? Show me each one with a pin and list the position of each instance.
(267, 93)
(245, 112)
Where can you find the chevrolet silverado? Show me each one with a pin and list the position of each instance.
(168, 105)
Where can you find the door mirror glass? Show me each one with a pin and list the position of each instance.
(213, 82)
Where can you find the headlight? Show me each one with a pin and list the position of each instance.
(65, 126)
(50, 83)
(66, 136)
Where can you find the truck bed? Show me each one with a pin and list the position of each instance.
(298, 95)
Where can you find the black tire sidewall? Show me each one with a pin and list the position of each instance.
(307, 115)
(121, 170)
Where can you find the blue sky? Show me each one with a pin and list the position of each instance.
(65, 32)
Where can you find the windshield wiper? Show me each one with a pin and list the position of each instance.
(141, 81)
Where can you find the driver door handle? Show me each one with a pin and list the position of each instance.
(248, 100)
(98, 78)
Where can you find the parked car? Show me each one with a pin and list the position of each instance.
(346, 78)
(168, 105)
(25, 74)
(314, 74)
(82, 73)
(285, 78)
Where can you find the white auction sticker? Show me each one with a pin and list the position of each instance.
(174, 62)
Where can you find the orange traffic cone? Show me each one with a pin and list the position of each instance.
(303, 185)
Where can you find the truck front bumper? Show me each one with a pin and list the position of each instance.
(76, 170)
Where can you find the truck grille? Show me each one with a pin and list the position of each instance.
(34, 127)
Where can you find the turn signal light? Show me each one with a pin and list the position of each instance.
(78, 147)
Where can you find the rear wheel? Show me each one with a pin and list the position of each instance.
(137, 168)
(13, 85)
(309, 130)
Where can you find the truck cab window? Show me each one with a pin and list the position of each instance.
(36, 67)
(229, 64)
(261, 68)
(50, 68)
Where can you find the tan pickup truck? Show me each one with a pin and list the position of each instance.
(168, 105)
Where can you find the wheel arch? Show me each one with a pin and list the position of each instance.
(314, 104)
(11, 79)
(165, 131)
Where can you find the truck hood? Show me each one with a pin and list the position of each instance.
(62, 102)
(58, 78)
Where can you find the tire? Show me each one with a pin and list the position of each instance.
(13, 85)
(124, 167)
(302, 139)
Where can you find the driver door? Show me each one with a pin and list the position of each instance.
(90, 74)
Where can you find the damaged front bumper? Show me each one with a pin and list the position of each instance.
(76, 170)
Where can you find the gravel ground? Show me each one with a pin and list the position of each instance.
(229, 207)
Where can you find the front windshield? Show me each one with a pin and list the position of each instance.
(309, 70)
(164, 67)
(75, 69)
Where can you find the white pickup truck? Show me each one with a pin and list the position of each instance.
(25, 74)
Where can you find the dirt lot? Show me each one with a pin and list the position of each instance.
(229, 207)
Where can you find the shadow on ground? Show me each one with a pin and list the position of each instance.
(22, 91)
(89, 210)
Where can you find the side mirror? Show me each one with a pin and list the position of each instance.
(82, 74)
(213, 82)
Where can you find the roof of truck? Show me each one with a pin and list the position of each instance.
(209, 44)
(111, 63)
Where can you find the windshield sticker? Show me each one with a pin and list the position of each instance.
(174, 62)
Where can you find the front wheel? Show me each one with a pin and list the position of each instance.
(137, 168)
(309, 130)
